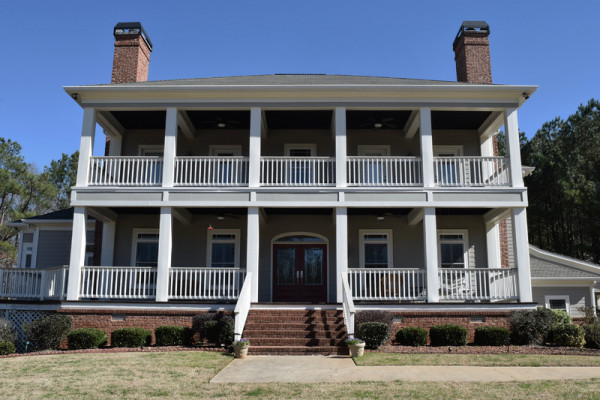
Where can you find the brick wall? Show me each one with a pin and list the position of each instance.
(472, 56)
(131, 59)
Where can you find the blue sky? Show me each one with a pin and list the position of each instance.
(50, 44)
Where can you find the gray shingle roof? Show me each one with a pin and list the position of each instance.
(543, 268)
(294, 79)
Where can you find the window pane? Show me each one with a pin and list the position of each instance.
(300, 238)
(223, 255)
(148, 236)
(558, 304)
(376, 255)
(223, 237)
(452, 255)
(300, 152)
(375, 237)
(313, 266)
(146, 255)
(286, 266)
(28, 261)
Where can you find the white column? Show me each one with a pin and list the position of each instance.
(426, 137)
(170, 149)
(487, 147)
(341, 249)
(165, 249)
(513, 146)
(492, 237)
(86, 147)
(521, 250)
(254, 147)
(77, 260)
(340, 147)
(431, 254)
(114, 149)
(252, 250)
(108, 243)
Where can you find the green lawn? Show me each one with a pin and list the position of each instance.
(489, 360)
(185, 375)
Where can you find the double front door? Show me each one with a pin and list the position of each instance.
(300, 273)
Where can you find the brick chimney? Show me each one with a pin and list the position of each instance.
(132, 53)
(472, 53)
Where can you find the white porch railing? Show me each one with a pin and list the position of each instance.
(478, 283)
(125, 171)
(242, 308)
(118, 283)
(297, 171)
(471, 171)
(205, 283)
(348, 306)
(384, 171)
(387, 284)
(211, 171)
(25, 283)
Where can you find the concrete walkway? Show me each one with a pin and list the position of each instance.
(343, 369)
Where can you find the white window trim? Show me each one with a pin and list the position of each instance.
(361, 244)
(153, 148)
(290, 146)
(134, 241)
(565, 297)
(465, 235)
(209, 241)
(236, 149)
(368, 148)
(457, 150)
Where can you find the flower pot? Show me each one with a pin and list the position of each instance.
(240, 351)
(357, 350)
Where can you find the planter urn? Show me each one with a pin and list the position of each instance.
(357, 350)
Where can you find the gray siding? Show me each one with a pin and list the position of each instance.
(469, 140)
(54, 248)
(393, 138)
(273, 145)
(133, 138)
(579, 296)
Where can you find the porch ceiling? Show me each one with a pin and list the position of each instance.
(302, 119)
(215, 119)
(141, 119)
(458, 119)
(390, 119)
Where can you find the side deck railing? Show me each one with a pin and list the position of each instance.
(297, 171)
(125, 171)
(27, 283)
(130, 283)
(387, 284)
(384, 171)
(478, 283)
(211, 171)
(471, 171)
(205, 283)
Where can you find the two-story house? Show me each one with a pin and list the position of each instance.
(299, 192)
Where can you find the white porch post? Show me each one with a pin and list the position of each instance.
(77, 260)
(170, 149)
(521, 249)
(86, 147)
(165, 249)
(431, 254)
(252, 250)
(108, 243)
(340, 148)
(492, 238)
(114, 149)
(341, 249)
(254, 147)
(426, 136)
(513, 147)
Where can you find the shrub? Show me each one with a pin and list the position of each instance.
(374, 334)
(411, 336)
(592, 335)
(531, 327)
(199, 328)
(448, 335)
(567, 335)
(86, 338)
(130, 337)
(562, 318)
(48, 332)
(7, 348)
(225, 327)
(7, 334)
(492, 336)
(169, 335)
(214, 328)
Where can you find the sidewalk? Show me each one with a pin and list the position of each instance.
(343, 369)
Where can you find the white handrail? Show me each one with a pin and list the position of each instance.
(211, 171)
(242, 308)
(478, 283)
(387, 284)
(118, 283)
(125, 171)
(384, 171)
(205, 283)
(471, 171)
(28, 283)
(297, 171)
(348, 305)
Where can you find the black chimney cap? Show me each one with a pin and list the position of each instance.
(129, 28)
(480, 26)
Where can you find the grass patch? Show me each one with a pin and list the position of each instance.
(488, 360)
(185, 375)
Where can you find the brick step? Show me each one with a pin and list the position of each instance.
(303, 320)
(316, 334)
(294, 326)
(298, 312)
(310, 342)
(298, 350)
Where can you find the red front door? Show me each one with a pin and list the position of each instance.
(300, 272)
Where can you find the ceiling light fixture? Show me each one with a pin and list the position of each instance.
(220, 218)
(221, 125)
(380, 218)
(377, 125)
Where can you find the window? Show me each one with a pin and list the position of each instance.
(558, 303)
(374, 171)
(153, 171)
(226, 168)
(448, 171)
(145, 248)
(452, 249)
(223, 249)
(301, 171)
(375, 248)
